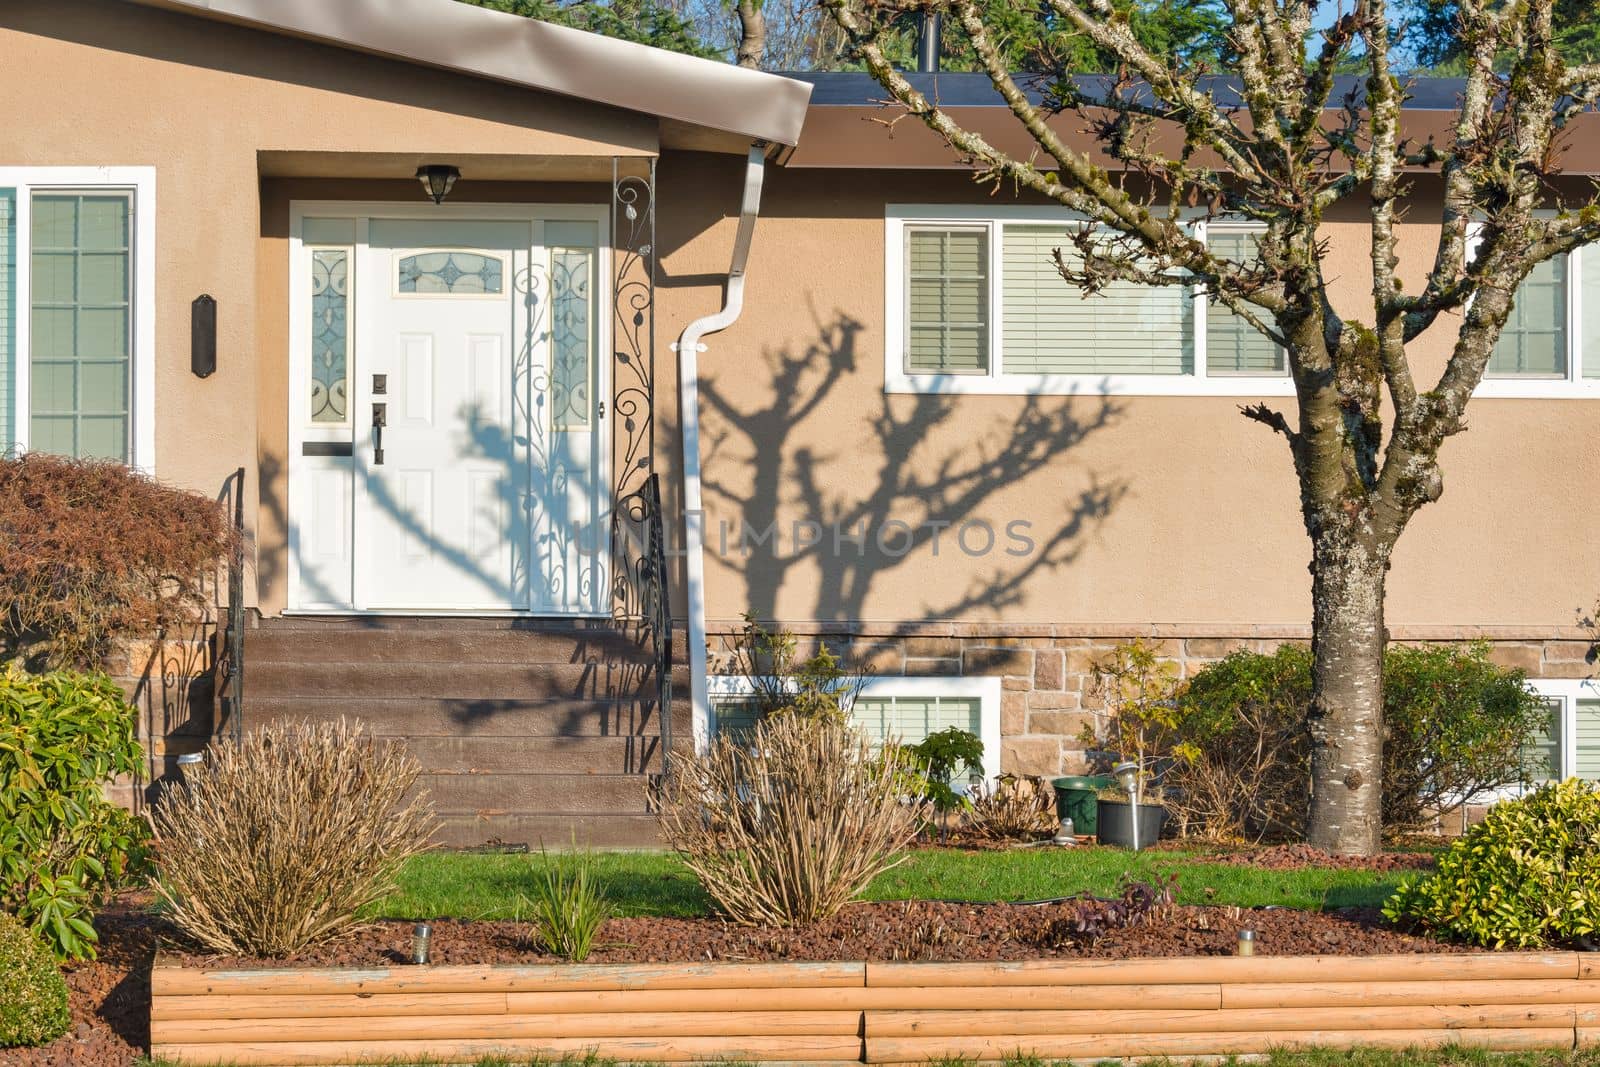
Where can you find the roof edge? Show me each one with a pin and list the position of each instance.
(508, 48)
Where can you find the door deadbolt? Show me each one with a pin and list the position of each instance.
(380, 384)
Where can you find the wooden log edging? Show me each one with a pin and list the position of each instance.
(890, 1013)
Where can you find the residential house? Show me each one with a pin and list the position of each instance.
(682, 342)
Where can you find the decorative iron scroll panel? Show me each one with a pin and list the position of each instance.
(638, 527)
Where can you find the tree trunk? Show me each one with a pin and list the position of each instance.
(1346, 719)
(752, 33)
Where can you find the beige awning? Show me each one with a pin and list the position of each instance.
(522, 51)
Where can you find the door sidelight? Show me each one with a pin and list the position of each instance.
(380, 419)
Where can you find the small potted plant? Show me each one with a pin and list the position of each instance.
(1141, 714)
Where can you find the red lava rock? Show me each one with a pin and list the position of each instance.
(1296, 857)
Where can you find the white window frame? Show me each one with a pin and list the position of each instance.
(985, 688)
(140, 184)
(1573, 386)
(995, 381)
(1568, 692)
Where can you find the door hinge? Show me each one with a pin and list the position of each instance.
(600, 411)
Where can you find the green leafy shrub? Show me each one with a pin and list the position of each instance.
(936, 760)
(278, 841)
(92, 550)
(1526, 877)
(63, 846)
(33, 995)
(1243, 767)
(1455, 725)
(569, 905)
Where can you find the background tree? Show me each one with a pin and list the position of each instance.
(1433, 33)
(1276, 145)
(653, 22)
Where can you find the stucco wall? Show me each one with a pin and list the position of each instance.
(215, 108)
(1143, 510)
(1171, 510)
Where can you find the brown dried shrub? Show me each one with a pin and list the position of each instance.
(276, 842)
(1013, 808)
(790, 823)
(91, 550)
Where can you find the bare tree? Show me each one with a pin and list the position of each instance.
(1277, 144)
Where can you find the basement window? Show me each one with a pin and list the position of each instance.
(905, 709)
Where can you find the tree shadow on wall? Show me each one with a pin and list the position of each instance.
(904, 495)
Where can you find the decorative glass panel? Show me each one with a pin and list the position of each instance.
(8, 314)
(81, 324)
(1541, 760)
(1233, 346)
(453, 273)
(330, 334)
(947, 300)
(1534, 341)
(1052, 328)
(1588, 739)
(571, 337)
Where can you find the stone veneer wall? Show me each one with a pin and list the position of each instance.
(171, 683)
(1045, 670)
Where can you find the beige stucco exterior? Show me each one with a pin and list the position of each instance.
(1169, 511)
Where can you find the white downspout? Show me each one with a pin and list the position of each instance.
(689, 348)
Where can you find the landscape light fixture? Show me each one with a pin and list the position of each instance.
(1247, 942)
(438, 179)
(421, 939)
(1127, 775)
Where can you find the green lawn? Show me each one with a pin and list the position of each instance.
(487, 886)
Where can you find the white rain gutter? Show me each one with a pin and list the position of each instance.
(689, 347)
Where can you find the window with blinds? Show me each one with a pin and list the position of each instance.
(1586, 737)
(907, 719)
(1541, 760)
(1049, 327)
(1534, 341)
(947, 300)
(1233, 346)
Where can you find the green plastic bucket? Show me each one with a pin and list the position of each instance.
(1075, 799)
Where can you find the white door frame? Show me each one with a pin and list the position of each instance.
(299, 372)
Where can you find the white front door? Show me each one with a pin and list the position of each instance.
(468, 383)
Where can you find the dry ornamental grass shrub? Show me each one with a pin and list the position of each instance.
(786, 827)
(92, 550)
(1013, 808)
(276, 843)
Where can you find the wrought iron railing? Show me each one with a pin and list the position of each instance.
(230, 653)
(640, 590)
(638, 530)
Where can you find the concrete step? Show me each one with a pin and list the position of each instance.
(537, 755)
(469, 681)
(537, 794)
(466, 717)
(554, 832)
(311, 645)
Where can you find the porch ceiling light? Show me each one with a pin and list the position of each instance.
(438, 179)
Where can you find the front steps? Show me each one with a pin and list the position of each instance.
(530, 732)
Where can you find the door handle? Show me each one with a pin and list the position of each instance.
(380, 419)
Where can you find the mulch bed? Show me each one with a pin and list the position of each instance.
(111, 995)
(901, 930)
(1296, 857)
(110, 999)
